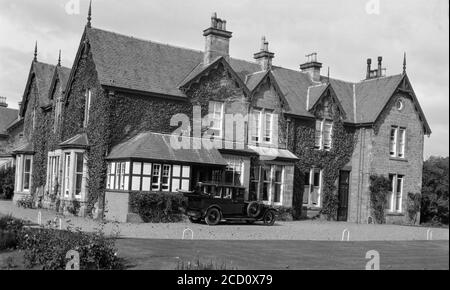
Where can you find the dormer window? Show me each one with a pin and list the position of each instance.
(323, 136)
(216, 112)
(87, 107)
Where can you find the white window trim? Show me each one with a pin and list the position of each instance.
(393, 201)
(322, 135)
(212, 105)
(30, 182)
(256, 132)
(261, 133)
(68, 184)
(270, 136)
(311, 186)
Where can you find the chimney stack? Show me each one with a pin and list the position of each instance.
(312, 67)
(217, 40)
(375, 73)
(264, 56)
(3, 102)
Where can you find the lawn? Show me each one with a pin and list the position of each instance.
(284, 255)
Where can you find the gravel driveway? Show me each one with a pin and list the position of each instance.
(299, 230)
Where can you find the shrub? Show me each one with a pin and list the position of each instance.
(26, 202)
(48, 248)
(7, 177)
(414, 201)
(158, 207)
(10, 229)
(285, 214)
(379, 188)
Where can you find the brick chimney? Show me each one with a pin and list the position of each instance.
(264, 56)
(217, 40)
(3, 102)
(375, 73)
(312, 67)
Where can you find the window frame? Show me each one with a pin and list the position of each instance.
(395, 197)
(319, 136)
(87, 106)
(30, 173)
(256, 126)
(311, 188)
(213, 121)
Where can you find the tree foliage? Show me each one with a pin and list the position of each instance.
(435, 191)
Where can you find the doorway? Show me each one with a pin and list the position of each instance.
(344, 186)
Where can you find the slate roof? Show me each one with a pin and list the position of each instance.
(43, 73)
(146, 66)
(155, 146)
(78, 141)
(7, 116)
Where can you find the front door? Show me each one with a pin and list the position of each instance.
(344, 185)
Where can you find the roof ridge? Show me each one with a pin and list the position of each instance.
(146, 40)
(375, 79)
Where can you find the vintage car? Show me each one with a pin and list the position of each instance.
(215, 202)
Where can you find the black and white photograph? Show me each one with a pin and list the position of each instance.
(224, 142)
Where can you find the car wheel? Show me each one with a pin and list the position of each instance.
(194, 220)
(253, 209)
(213, 216)
(269, 218)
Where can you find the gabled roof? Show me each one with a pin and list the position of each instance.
(155, 146)
(372, 96)
(148, 67)
(7, 116)
(43, 73)
(62, 74)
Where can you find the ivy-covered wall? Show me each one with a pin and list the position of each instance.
(301, 143)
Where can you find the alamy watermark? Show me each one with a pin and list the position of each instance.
(72, 7)
(373, 7)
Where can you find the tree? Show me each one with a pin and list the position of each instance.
(435, 190)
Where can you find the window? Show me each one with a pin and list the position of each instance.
(323, 135)
(87, 107)
(180, 177)
(27, 173)
(395, 196)
(53, 173)
(277, 183)
(266, 183)
(233, 172)
(216, 110)
(67, 174)
(165, 183)
(270, 187)
(255, 126)
(255, 177)
(34, 118)
(313, 188)
(156, 177)
(79, 159)
(397, 142)
(261, 124)
(268, 128)
(399, 105)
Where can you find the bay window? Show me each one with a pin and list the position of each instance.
(75, 171)
(267, 183)
(397, 142)
(27, 173)
(148, 177)
(233, 172)
(323, 135)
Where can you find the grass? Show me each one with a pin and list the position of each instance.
(199, 265)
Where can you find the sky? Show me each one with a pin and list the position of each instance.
(343, 33)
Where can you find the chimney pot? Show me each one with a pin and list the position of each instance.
(380, 69)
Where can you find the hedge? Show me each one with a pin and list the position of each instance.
(158, 207)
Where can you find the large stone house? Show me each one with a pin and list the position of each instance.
(104, 129)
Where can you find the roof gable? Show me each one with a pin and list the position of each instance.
(60, 74)
(42, 73)
(7, 116)
(318, 94)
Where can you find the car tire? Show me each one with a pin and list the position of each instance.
(213, 216)
(253, 209)
(269, 218)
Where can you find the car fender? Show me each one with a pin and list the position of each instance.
(212, 206)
